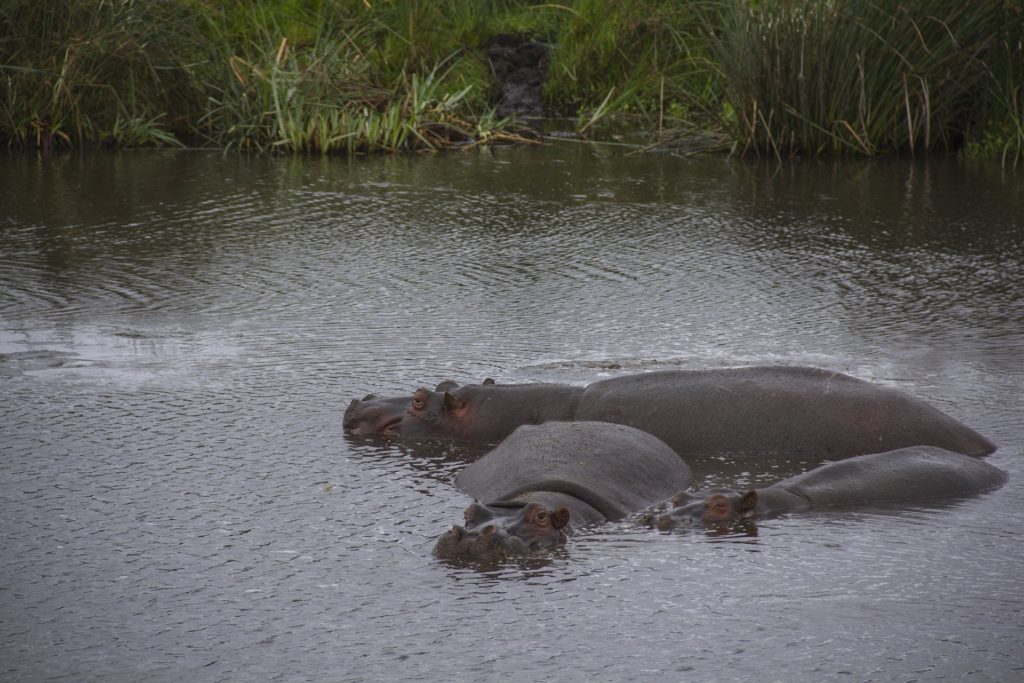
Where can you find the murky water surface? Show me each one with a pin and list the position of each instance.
(181, 331)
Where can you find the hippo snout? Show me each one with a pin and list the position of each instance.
(486, 544)
(373, 415)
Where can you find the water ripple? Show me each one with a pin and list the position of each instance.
(180, 331)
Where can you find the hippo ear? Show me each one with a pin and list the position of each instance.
(560, 517)
(453, 402)
(370, 397)
(447, 385)
(748, 502)
(488, 381)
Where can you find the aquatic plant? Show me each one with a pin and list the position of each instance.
(290, 75)
(784, 77)
(1000, 132)
(628, 57)
(854, 76)
(76, 72)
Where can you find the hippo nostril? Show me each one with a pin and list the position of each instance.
(391, 426)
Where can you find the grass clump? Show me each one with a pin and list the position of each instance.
(641, 57)
(1000, 132)
(783, 77)
(287, 75)
(84, 72)
(854, 76)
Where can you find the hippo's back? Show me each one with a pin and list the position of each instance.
(614, 468)
(907, 474)
(774, 410)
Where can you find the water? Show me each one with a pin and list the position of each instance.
(180, 332)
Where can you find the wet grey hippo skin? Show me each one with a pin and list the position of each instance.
(375, 415)
(545, 481)
(484, 413)
(774, 410)
(755, 411)
(907, 475)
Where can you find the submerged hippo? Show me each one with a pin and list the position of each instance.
(755, 411)
(544, 482)
(916, 474)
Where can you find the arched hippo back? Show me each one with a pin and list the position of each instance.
(613, 468)
(907, 474)
(803, 412)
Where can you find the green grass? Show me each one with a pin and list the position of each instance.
(628, 58)
(292, 75)
(786, 77)
(855, 76)
(1000, 131)
(76, 72)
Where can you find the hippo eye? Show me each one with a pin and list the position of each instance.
(541, 517)
(417, 404)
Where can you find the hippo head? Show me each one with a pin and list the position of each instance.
(373, 415)
(713, 508)
(427, 414)
(441, 413)
(502, 530)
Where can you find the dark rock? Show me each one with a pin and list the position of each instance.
(520, 67)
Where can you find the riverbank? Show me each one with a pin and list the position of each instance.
(846, 77)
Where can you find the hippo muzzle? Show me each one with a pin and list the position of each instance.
(373, 415)
(503, 530)
(714, 509)
(488, 544)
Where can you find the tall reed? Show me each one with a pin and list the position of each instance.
(327, 93)
(75, 71)
(854, 76)
(626, 56)
(786, 76)
(1001, 132)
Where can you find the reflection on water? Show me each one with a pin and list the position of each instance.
(180, 333)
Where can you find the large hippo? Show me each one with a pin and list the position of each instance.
(807, 413)
(915, 474)
(545, 481)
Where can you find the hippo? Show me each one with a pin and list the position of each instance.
(544, 482)
(906, 475)
(808, 413)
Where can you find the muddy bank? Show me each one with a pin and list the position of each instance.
(520, 68)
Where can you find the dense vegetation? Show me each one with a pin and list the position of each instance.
(781, 78)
